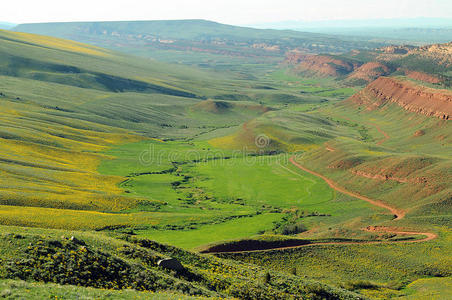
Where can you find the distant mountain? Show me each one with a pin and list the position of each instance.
(376, 23)
(167, 40)
(6, 25)
(420, 30)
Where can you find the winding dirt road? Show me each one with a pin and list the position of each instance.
(428, 237)
(398, 214)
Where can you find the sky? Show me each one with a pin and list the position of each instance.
(235, 12)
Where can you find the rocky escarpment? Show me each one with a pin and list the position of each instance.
(438, 54)
(411, 97)
(441, 53)
(404, 49)
(320, 65)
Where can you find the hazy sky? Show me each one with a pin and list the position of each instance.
(238, 12)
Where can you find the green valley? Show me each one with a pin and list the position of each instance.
(236, 163)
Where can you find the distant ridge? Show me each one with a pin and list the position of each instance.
(171, 40)
(193, 29)
(6, 25)
(388, 23)
(420, 30)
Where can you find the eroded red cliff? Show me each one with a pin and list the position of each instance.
(370, 71)
(321, 65)
(412, 97)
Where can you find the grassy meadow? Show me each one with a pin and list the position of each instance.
(229, 188)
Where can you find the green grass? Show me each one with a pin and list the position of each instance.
(190, 196)
(228, 230)
(262, 181)
(240, 186)
(429, 288)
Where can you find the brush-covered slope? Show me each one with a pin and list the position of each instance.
(186, 40)
(128, 268)
(71, 63)
(282, 131)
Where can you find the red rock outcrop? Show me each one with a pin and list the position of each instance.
(412, 97)
(321, 65)
(396, 49)
(370, 71)
(440, 54)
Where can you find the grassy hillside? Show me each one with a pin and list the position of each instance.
(97, 261)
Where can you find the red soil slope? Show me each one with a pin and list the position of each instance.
(320, 65)
(370, 71)
(414, 98)
(421, 76)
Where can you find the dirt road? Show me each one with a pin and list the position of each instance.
(398, 214)
(386, 135)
